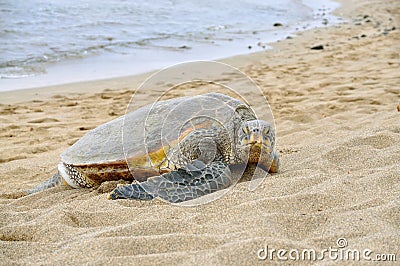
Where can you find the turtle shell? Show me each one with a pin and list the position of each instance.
(141, 140)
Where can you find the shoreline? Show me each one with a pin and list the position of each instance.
(71, 70)
(337, 128)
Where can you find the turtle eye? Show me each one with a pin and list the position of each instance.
(266, 131)
(245, 130)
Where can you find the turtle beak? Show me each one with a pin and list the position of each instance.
(255, 138)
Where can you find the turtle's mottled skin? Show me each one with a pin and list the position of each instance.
(178, 149)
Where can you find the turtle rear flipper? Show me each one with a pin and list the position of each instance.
(49, 183)
(190, 182)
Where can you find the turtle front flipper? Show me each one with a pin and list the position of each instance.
(190, 182)
(49, 183)
(275, 163)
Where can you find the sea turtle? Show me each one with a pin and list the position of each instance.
(177, 149)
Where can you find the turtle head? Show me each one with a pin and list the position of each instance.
(256, 140)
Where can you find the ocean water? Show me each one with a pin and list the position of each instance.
(45, 42)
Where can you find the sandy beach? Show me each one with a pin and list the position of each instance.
(337, 115)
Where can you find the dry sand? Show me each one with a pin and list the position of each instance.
(338, 126)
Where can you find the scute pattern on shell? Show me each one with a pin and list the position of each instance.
(147, 134)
